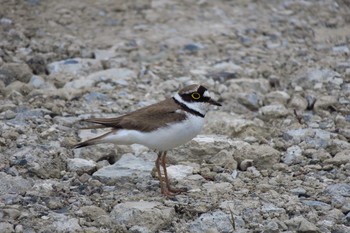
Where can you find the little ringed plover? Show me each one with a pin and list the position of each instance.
(161, 126)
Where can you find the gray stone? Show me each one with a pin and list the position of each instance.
(311, 78)
(217, 188)
(298, 191)
(272, 209)
(341, 49)
(318, 205)
(10, 72)
(217, 221)
(81, 165)
(340, 158)
(224, 159)
(271, 227)
(227, 67)
(264, 156)
(277, 97)
(223, 123)
(316, 137)
(307, 227)
(346, 208)
(127, 165)
(300, 224)
(341, 189)
(6, 227)
(18, 87)
(148, 215)
(38, 82)
(13, 184)
(116, 76)
(179, 172)
(75, 66)
(298, 102)
(11, 213)
(325, 102)
(250, 100)
(247, 85)
(96, 215)
(245, 164)
(63, 223)
(95, 97)
(273, 111)
(200, 148)
(41, 161)
(293, 155)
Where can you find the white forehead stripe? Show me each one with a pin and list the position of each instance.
(206, 94)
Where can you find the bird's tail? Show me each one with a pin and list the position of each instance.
(92, 141)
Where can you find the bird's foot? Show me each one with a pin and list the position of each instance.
(172, 192)
(177, 190)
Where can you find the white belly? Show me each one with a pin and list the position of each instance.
(162, 139)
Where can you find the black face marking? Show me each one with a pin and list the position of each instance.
(196, 96)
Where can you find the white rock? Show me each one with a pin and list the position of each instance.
(179, 172)
(118, 76)
(75, 66)
(127, 165)
(215, 188)
(273, 111)
(342, 157)
(316, 137)
(227, 67)
(277, 97)
(14, 184)
(151, 216)
(64, 223)
(81, 165)
(217, 221)
(264, 156)
(229, 124)
(6, 227)
(293, 155)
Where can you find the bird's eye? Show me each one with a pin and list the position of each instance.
(196, 95)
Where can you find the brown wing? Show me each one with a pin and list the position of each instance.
(145, 119)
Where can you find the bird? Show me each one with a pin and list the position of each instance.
(161, 127)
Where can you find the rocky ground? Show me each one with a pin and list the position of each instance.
(274, 158)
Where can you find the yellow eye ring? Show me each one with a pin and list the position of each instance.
(196, 95)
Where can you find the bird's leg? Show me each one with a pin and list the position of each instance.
(162, 188)
(169, 189)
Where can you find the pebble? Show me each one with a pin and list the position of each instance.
(75, 66)
(340, 158)
(341, 189)
(6, 227)
(277, 97)
(316, 137)
(151, 216)
(179, 172)
(116, 76)
(252, 101)
(293, 155)
(80, 165)
(10, 72)
(217, 221)
(13, 184)
(227, 124)
(127, 165)
(263, 156)
(64, 223)
(273, 111)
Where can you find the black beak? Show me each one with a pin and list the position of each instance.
(213, 102)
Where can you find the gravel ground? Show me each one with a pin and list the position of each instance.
(275, 158)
